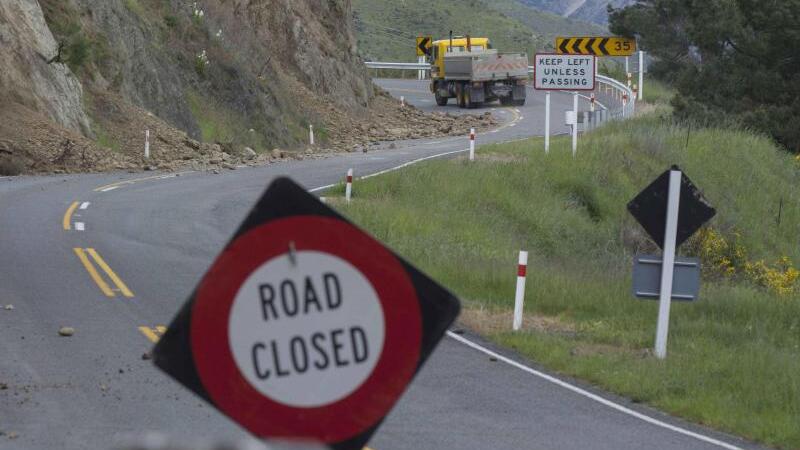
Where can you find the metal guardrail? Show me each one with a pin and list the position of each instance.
(399, 66)
(609, 88)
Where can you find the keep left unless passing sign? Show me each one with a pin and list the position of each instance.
(555, 72)
(305, 327)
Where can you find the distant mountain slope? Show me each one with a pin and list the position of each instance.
(386, 28)
(588, 10)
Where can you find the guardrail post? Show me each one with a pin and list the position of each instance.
(147, 144)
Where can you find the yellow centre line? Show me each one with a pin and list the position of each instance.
(153, 333)
(68, 216)
(113, 276)
(149, 334)
(93, 273)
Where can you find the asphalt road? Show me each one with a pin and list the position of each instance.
(149, 238)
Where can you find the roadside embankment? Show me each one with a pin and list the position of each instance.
(734, 355)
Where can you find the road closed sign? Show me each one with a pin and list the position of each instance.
(305, 327)
(554, 72)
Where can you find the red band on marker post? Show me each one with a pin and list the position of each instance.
(521, 270)
(349, 178)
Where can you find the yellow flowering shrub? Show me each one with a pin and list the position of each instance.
(725, 259)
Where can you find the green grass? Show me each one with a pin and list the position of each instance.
(386, 28)
(734, 356)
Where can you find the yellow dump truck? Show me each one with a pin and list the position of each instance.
(471, 71)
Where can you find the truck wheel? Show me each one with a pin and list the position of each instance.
(441, 101)
(468, 99)
(462, 98)
(506, 101)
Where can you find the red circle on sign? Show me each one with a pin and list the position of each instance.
(367, 404)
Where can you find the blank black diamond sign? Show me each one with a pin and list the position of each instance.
(649, 208)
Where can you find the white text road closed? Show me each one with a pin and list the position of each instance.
(564, 72)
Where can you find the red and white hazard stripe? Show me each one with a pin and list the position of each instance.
(348, 190)
(519, 299)
(472, 144)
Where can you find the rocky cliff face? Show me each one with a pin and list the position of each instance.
(217, 68)
(26, 78)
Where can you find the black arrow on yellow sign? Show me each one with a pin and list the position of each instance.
(424, 45)
(598, 46)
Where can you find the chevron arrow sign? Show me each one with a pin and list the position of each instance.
(598, 46)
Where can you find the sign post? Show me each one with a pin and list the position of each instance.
(547, 122)
(668, 263)
(575, 124)
(670, 210)
(305, 327)
(641, 76)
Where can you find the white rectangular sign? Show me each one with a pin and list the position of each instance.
(555, 72)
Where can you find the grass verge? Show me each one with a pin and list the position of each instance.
(734, 356)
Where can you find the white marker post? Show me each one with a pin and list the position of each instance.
(591, 102)
(668, 263)
(147, 144)
(348, 189)
(472, 144)
(627, 64)
(575, 125)
(519, 298)
(547, 122)
(402, 101)
(641, 76)
(310, 134)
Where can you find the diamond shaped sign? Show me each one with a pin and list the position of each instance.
(649, 208)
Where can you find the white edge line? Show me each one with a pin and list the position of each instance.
(110, 188)
(542, 375)
(590, 395)
(85, 205)
(80, 226)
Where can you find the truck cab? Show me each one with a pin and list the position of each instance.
(442, 47)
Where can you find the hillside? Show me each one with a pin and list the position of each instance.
(386, 28)
(217, 82)
(588, 10)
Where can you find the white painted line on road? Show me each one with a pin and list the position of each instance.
(85, 205)
(592, 396)
(80, 226)
(110, 188)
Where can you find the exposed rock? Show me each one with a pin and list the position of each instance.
(66, 331)
(248, 153)
(27, 78)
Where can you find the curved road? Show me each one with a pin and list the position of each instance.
(115, 256)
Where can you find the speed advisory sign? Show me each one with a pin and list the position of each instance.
(305, 327)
